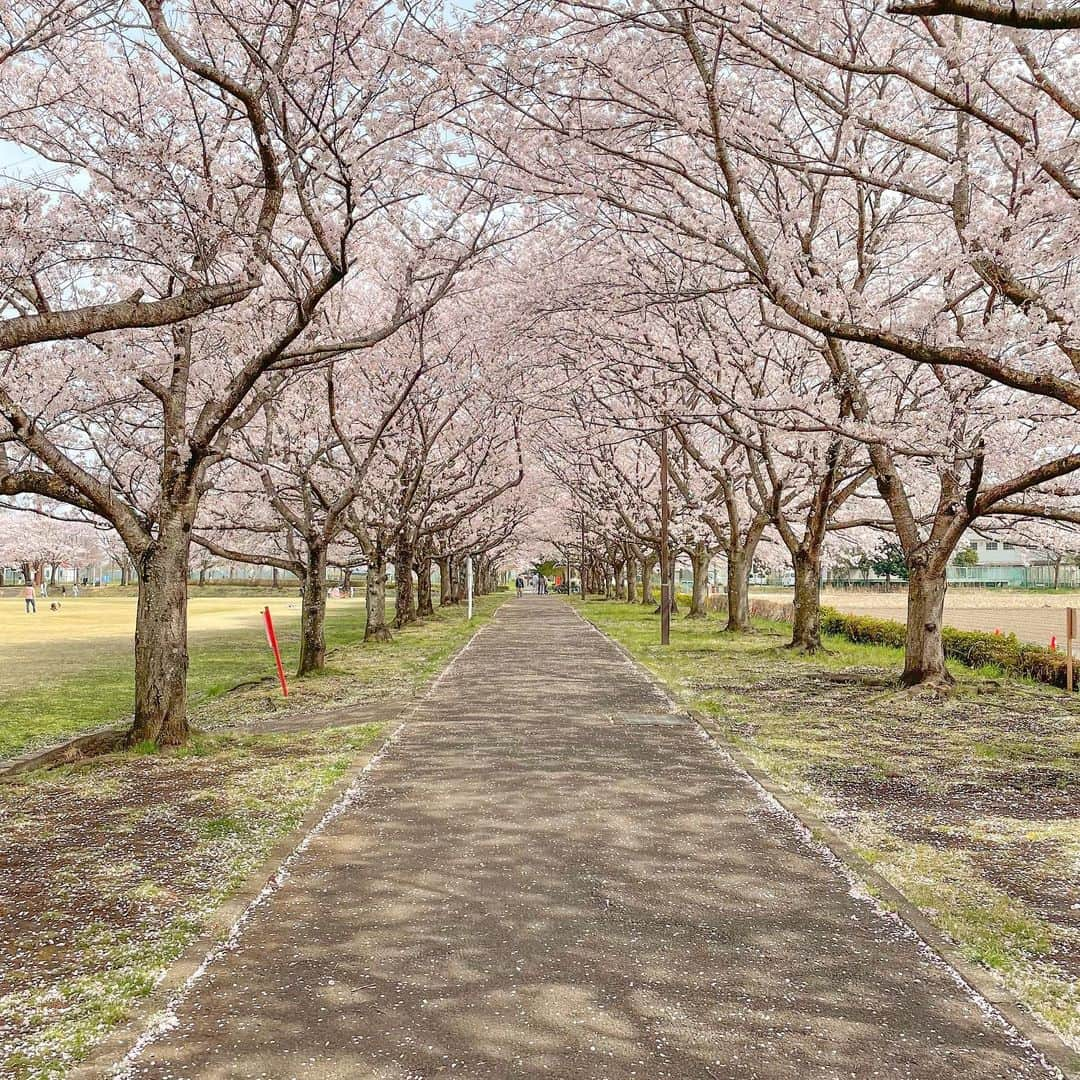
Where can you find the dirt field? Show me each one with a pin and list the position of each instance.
(1031, 616)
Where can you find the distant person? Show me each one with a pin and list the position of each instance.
(31, 603)
(75, 589)
(44, 589)
(63, 590)
(541, 584)
(519, 583)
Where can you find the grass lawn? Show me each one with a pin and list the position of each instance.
(110, 867)
(970, 806)
(70, 671)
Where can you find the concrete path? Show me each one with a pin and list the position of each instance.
(543, 879)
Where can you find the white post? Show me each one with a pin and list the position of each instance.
(468, 582)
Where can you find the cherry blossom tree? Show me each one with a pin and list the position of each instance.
(376, 210)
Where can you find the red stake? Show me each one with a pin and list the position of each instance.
(271, 637)
(1053, 643)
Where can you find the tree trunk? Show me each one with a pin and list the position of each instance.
(806, 622)
(202, 575)
(699, 563)
(123, 573)
(277, 578)
(346, 580)
(424, 605)
(648, 567)
(631, 579)
(375, 628)
(620, 581)
(738, 590)
(161, 655)
(445, 588)
(405, 603)
(313, 613)
(924, 655)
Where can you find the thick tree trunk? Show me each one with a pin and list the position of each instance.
(313, 613)
(738, 590)
(405, 604)
(620, 581)
(648, 567)
(375, 628)
(202, 575)
(699, 563)
(631, 579)
(924, 655)
(346, 580)
(806, 623)
(123, 573)
(446, 590)
(161, 655)
(424, 605)
(276, 578)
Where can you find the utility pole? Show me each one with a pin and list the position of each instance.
(665, 560)
(582, 555)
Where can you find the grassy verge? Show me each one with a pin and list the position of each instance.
(111, 867)
(970, 806)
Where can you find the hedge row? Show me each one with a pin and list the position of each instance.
(971, 647)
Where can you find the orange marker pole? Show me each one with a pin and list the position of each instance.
(271, 637)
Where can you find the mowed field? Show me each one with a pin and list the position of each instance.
(70, 670)
(1031, 616)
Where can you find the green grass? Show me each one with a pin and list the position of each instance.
(963, 804)
(65, 677)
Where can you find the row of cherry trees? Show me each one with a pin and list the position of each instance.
(832, 253)
(310, 313)
(204, 284)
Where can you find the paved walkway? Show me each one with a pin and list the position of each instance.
(543, 881)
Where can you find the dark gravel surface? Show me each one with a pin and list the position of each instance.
(538, 881)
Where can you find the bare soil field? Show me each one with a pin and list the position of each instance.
(1032, 617)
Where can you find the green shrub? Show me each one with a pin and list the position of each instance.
(973, 648)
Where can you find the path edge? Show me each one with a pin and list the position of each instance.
(1045, 1040)
(109, 1053)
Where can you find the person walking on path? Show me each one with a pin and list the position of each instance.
(31, 603)
(519, 583)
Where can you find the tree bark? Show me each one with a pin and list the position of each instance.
(276, 577)
(924, 654)
(405, 603)
(738, 590)
(424, 605)
(699, 563)
(631, 579)
(202, 575)
(648, 568)
(806, 622)
(375, 628)
(620, 580)
(313, 613)
(445, 586)
(161, 655)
